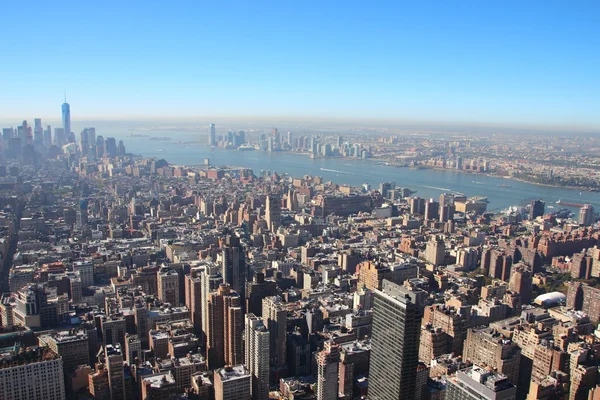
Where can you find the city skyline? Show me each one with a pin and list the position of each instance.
(468, 63)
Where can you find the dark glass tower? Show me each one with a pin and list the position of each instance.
(397, 312)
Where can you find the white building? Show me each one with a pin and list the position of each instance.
(33, 373)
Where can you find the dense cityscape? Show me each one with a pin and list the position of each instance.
(126, 277)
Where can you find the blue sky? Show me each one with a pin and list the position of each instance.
(468, 61)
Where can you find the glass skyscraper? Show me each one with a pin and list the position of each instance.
(397, 312)
(66, 119)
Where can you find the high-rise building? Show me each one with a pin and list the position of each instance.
(257, 342)
(233, 383)
(168, 286)
(211, 279)
(66, 119)
(432, 210)
(86, 271)
(193, 299)
(31, 373)
(327, 371)
(113, 360)
(435, 252)
(397, 312)
(536, 209)
(234, 268)
(273, 212)
(485, 346)
(225, 325)
(256, 291)
(274, 314)
(476, 383)
(59, 137)
(38, 133)
(72, 346)
(212, 138)
(447, 212)
(48, 137)
(586, 215)
(417, 205)
(521, 282)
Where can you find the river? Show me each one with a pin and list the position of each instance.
(427, 182)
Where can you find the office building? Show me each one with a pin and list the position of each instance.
(328, 361)
(66, 121)
(86, 272)
(274, 314)
(273, 212)
(193, 299)
(485, 346)
(168, 285)
(536, 209)
(397, 312)
(71, 345)
(233, 383)
(477, 383)
(212, 135)
(31, 373)
(257, 342)
(435, 252)
(256, 291)
(113, 360)
(234, 269)
(225, 325)
(586, 215)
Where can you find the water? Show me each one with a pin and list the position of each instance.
(427, 182)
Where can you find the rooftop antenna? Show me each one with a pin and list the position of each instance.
(65, 95)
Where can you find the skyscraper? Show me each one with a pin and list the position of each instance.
(328, 361)
(273, 212)
(257, 342)
(536, 209)
(274, 314)
(225, 323)
(234, 269)
(397, 312)
(586, 215)
(66, 119)
(212, 139)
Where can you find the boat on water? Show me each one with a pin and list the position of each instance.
(568, 204)
(505, 185)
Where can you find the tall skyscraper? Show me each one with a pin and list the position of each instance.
(66, 119)
(536, 209)
(225, 324)
(234, 265)
(113, 360)
(193, 299)
(397, 312)
(274, 314)
(59, 137)
(328, 361)
(168, 286)
(212, 139)
(586, 215)
(273, 212)
(257, 342)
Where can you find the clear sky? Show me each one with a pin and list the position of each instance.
(512, 62)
